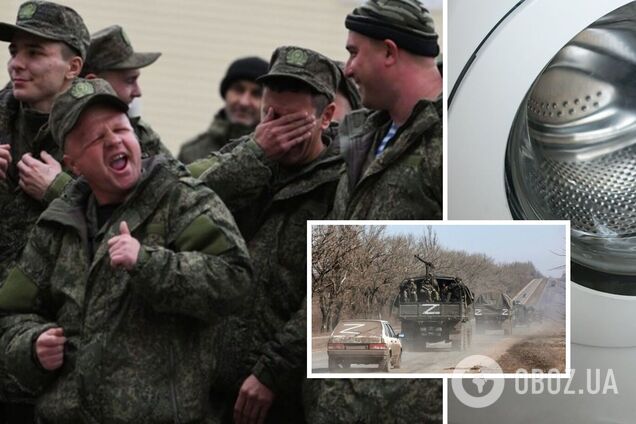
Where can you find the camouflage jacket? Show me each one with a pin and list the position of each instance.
(405, 181)
(138, 343)
(370, 401)
(220, 132)
(273, 220)
(27, 132)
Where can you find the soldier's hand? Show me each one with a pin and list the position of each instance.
(5, 160)
(277, 135)
(253, 402)
(37, 175)
(123, 249)
(49, 348)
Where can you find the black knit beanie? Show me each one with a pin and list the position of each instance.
(247, 68)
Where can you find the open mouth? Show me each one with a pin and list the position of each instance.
(119, 162)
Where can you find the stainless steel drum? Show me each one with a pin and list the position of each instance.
(572, 149)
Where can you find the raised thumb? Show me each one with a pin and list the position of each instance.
(123, 228)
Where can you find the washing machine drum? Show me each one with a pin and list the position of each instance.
(571, 152)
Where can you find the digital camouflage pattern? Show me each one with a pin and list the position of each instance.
(370, 401)
(26, 132)
(52, 21)
(110, 49)
(305, 65)
(271, 205)
(405, 181)
(219, 134)
(139, 345)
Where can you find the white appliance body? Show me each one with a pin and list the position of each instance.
(480, 117)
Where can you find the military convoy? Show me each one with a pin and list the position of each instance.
(494, 311)
(434, 308)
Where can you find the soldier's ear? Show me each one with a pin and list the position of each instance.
(327, 115)
(74, 67)
(391, 52)
(70, 164)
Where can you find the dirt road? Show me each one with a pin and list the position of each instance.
(439, 358)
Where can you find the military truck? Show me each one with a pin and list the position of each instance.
(494, 311)
(434, 308)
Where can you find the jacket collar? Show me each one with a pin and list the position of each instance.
(363, 130)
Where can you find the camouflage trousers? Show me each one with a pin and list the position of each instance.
(371, 401)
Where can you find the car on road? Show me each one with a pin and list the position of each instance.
(364, 341)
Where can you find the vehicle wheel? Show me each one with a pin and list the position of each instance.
(398, 361)
(385, 365)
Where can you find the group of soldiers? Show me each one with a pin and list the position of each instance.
(136, 287)
(429, 290)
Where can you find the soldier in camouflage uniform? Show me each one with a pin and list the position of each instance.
(272, 195)
(108, 314)
(393, 154)
(112, 58)
(242, 96)
(48, 46)
(393, 162)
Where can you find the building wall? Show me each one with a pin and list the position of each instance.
(199, 38)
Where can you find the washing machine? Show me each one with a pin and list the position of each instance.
(542, 125)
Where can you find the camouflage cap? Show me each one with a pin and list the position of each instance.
(69, 105)
(111, 49)
(407, 22)
(305, 65)
(51, 21)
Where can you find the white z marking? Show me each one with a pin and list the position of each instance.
(351, 327)
(431, 309)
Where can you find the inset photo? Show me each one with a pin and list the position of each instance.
(416, 299)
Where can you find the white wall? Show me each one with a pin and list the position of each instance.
(199, 38)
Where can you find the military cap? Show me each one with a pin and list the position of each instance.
(246, 68)
(69, 105)
(51, 21)
(111, 49)
(406, 22)
(305, 65)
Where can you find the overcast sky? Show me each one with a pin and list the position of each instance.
(503, 243)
